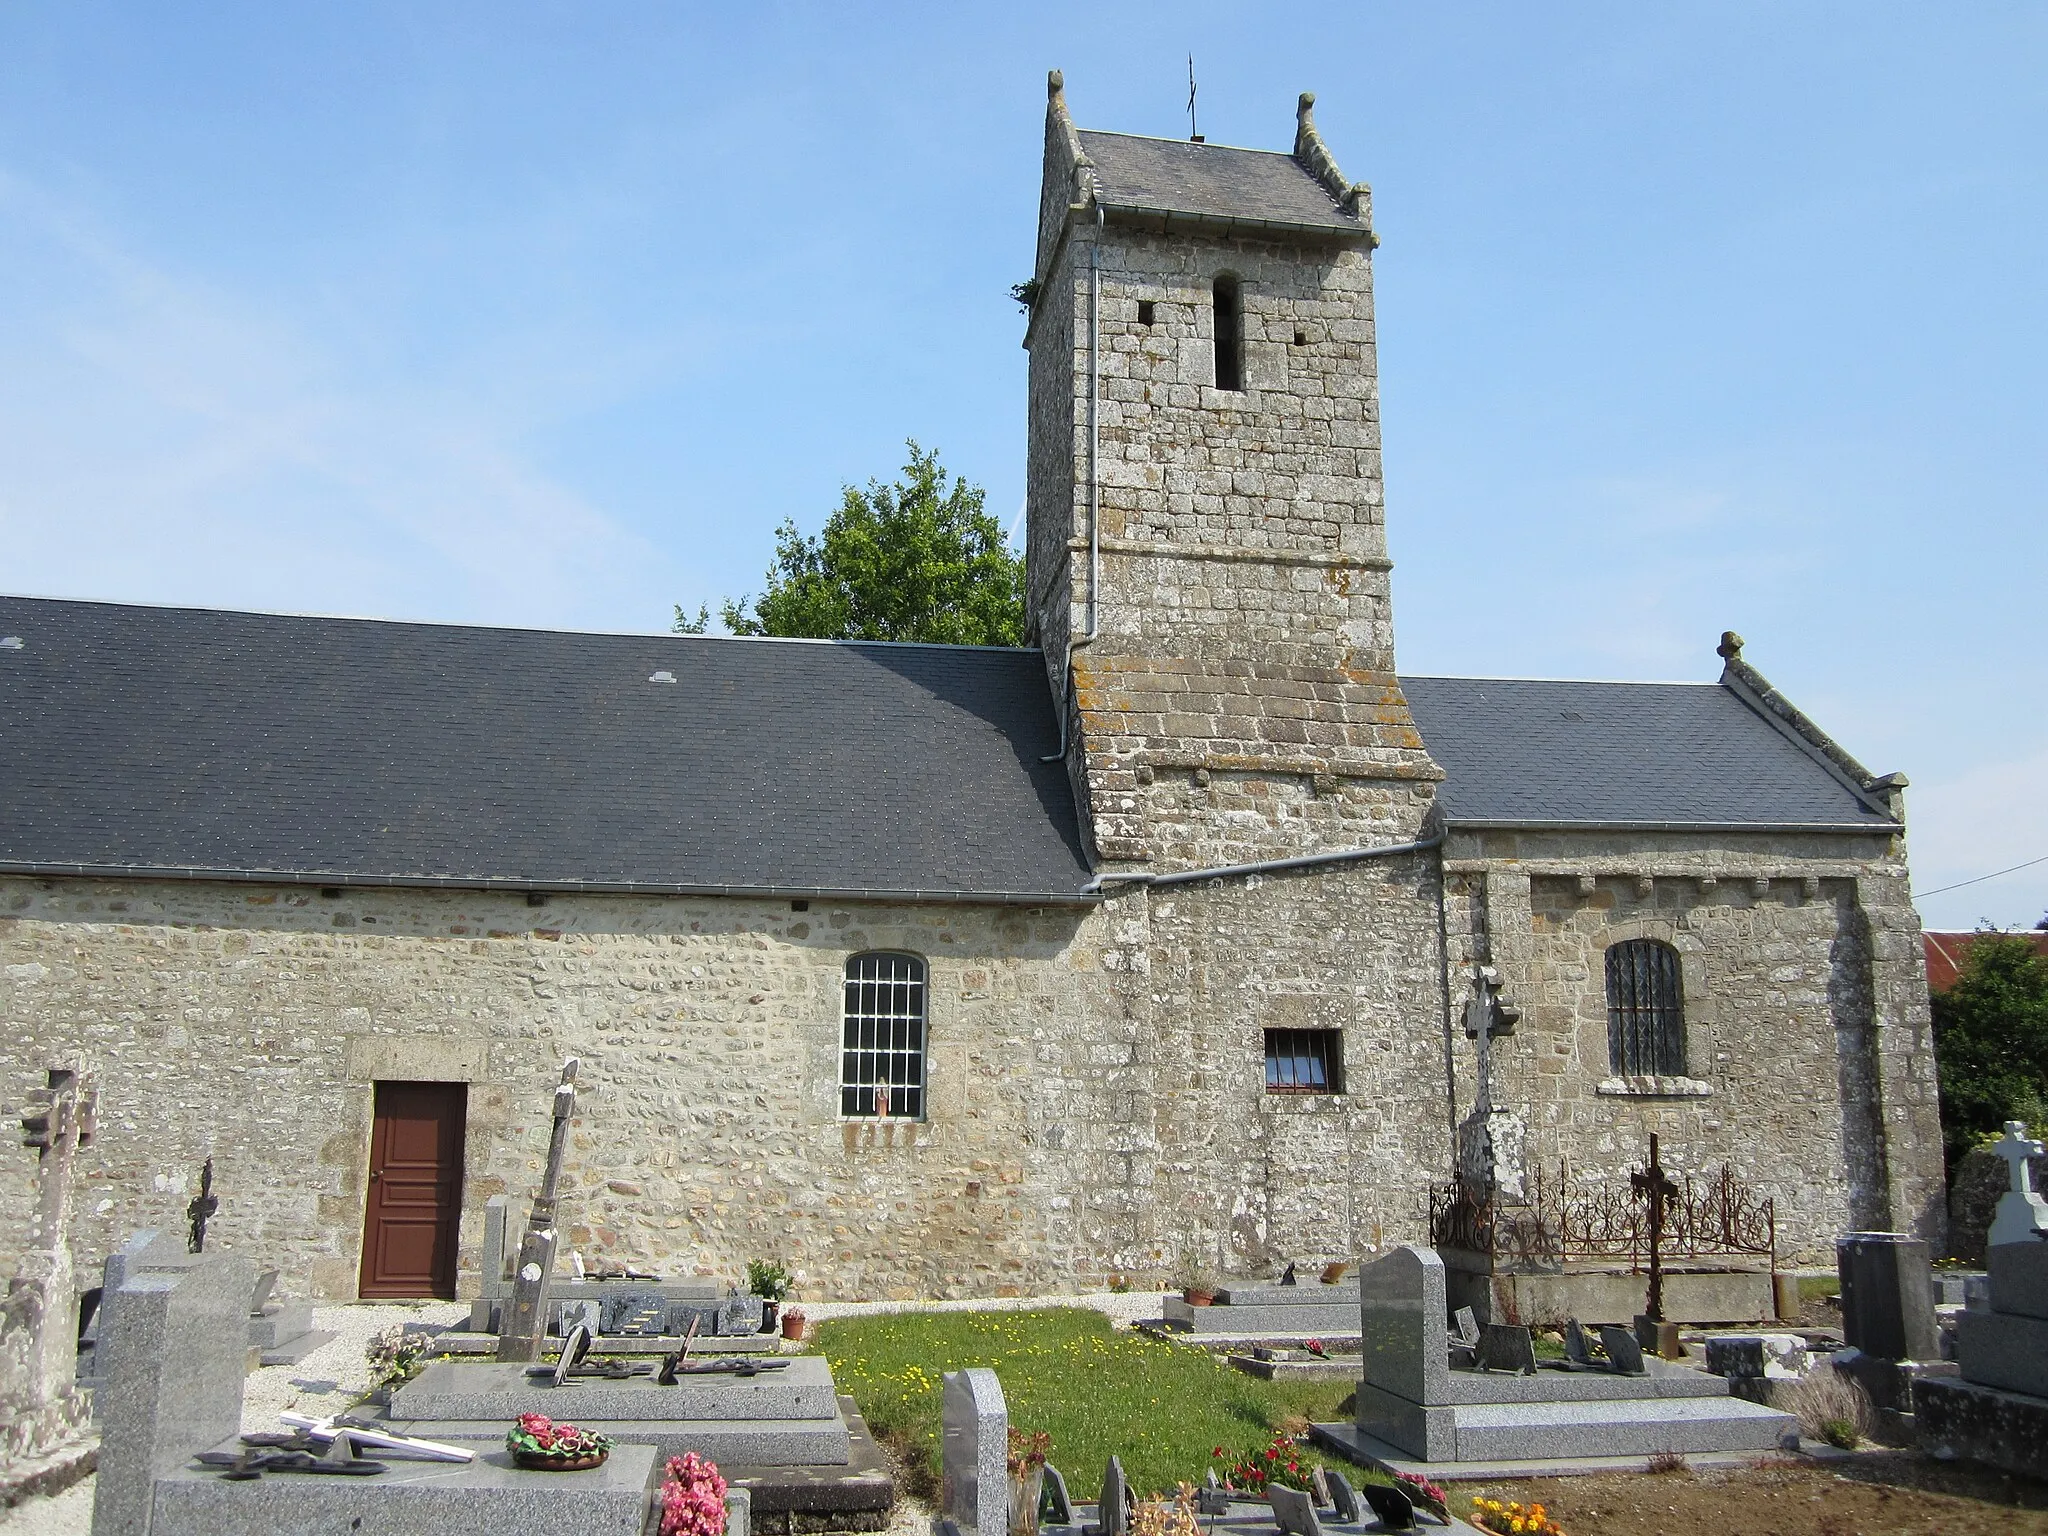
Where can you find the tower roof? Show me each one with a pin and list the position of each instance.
(1213, 183)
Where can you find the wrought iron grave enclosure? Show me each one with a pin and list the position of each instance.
(1717, 1219)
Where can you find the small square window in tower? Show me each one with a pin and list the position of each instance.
(1229, 334)
(1146, 312)
(881, 1058)
(1645, 1010)
(1304, 1061)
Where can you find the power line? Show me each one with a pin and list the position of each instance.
(1918, 895)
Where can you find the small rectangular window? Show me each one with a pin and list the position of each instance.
(1144, 311)
(1304, 1061)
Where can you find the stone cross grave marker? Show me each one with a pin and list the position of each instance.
(524, 1319)
(974, 1452)
(179, 1337)
(1490, 1159)
(39, 1401)
(2021, 1214)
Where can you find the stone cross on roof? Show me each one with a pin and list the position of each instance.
(2021, 1213)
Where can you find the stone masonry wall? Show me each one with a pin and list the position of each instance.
(1786, 1071)
(1081, 1063)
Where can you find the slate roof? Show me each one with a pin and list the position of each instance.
(197, 742)
(1211, 181)
(189, 740)
(1532, 753)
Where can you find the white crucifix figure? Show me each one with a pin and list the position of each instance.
(2022, 1215)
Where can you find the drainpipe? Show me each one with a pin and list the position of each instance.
(1094, 482)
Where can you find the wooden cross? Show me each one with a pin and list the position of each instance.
(1651, 1183)
(201, 1210)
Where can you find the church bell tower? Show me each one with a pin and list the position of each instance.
(1208, 574)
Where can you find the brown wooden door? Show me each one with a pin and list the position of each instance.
(415, 1200)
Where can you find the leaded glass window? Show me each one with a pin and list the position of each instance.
(1645, 1010)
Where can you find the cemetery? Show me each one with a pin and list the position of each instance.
(612, 1402)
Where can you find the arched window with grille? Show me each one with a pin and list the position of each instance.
(1645, 1010)
(881, 1057)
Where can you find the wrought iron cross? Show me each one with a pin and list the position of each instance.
(201, 1210)
(1654, 1185)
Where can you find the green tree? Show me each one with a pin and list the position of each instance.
(1991, 1041)
(919, 559)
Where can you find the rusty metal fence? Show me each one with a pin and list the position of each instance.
(1716, 1219)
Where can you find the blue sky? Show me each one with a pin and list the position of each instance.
(1692, 317)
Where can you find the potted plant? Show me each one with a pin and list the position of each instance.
(1199, 1288)
(769, 1281)
(539, 1444)
(793, 1322)
(393, 1356)
(1027, 1478)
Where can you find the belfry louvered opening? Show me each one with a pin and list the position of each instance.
(1645, 1010)
(881, 1059)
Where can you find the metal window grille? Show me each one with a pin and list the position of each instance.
(881, 1059)
(1304, 1061)
(1645, 1010)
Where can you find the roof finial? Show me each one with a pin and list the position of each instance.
(1305, 111)
(1055, 83)
(1730, 648)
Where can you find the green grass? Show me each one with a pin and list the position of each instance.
(1163, 1408)
(1814, 1287)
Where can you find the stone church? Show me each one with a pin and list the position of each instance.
(1141, 952)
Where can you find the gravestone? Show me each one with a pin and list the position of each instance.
(974, 1451)
(1343, 1498)
(1319, 1487)
(2021, 1214)
(1390, 1506)
(739, 1315)
(1887, 1296)
(1114, 1505)
(1293, 1511)
(1624, 1351)
(176, 1356)
(1576, 1352)
(1054, 1505)
(1997, 1412)
(1507, 1347)
(1468, 1326)
(1739, 1357)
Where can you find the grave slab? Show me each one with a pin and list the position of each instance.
(753, 1442)
(1269, 1295)
(488, 1497)
(1969, 1421)
(454, 1389)
(1303, 1320)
